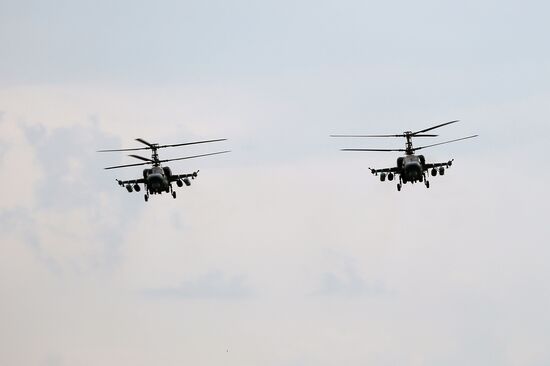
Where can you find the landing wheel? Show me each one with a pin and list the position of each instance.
(399, 186)
(146, 197)
(427, 184)
(174, 194)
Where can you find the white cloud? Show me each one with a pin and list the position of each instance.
(272, 231)
(67, 213)
(213, 285)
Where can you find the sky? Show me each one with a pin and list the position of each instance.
(285, 252)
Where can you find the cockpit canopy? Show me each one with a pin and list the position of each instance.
(419, 159)
(156, 170)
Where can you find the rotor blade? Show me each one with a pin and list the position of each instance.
(445, 142)
(124, 166)
(191, 143)
(195, 156)
(142, 158)
(385, 150)
(158, 147)
(401, 135)
(144, 142)
(366, 135)
(134, 149)
(434, 127)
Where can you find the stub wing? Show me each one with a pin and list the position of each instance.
(394, 170)
(437, 165)
(176, 177)
(132, 181)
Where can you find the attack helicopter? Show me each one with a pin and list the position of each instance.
(411, 167)
(158, 179)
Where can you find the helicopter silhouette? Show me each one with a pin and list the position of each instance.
(411, 167)
(158, 179)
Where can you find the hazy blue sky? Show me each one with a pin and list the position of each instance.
(285, 252)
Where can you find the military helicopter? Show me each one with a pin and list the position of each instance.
(411, 167)
(158, 179)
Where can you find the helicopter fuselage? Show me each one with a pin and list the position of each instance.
(156, 179)
(412, 167)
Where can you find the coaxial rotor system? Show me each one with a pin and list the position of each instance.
(408, 135)
(154, 160)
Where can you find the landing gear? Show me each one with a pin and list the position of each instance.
(146, 197)
(426, 182)
(171, 189)
(399, 187)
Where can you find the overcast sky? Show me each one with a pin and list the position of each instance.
(286, 252)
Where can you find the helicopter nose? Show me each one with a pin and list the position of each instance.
(413, 169)
(155, 181)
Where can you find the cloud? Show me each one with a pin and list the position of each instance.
(72, 215)
(213, 285)
(348, 283)
(71, 167)
(451, 275)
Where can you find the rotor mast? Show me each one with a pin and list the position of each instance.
(155, 155)
(409, 150)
